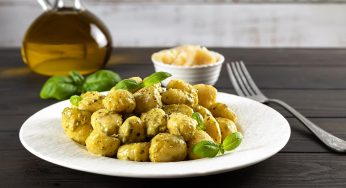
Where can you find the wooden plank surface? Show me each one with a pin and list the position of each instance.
(11, 57)
(253, 56)
(267, 77)
(315, 87)
(267, 74)
(282, 170)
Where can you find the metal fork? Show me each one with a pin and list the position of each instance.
(246, 87)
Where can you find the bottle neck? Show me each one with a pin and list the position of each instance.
(71, 4)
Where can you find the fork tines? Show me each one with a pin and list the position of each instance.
(241, 79)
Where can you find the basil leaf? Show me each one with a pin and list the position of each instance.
(128, 84)
(58, 87)
(76, 77)
(222, 150)
(199, 118)
(75, 99)
(101, 80)
(232, 141)
(205, 149)
(155, 78)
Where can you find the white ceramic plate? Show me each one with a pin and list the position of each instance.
(265, 133)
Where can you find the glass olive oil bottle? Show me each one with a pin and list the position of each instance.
(66, 37)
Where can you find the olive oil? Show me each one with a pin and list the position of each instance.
(66, 39)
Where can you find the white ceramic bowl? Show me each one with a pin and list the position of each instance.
(206, 74)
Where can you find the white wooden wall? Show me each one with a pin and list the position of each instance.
(250, 23)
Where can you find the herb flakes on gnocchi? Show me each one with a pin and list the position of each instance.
(138, 120)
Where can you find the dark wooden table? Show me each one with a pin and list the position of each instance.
(311, 80)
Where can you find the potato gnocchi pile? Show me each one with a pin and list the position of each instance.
(151, 124)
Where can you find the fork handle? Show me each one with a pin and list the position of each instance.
(328, 139)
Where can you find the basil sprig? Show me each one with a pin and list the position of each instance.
(63, 87)
(75, 99)
(199, 118)
(133, 86)
(101, 80)
(210, 149)
(58, 87)
(206, 149)
(128, 84)
(155, 78)
(232, 141)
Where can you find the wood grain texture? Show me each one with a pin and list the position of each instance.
(284, 68)
(268, 77)
(162, 23)
(312, 80)
(281, 170)
(252, 56)
(11, 57)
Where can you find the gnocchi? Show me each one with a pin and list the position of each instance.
(134, 152)
(181, 125)
(155, 121)
(132, 130)
(106, 121)
(203, 111)
(222, 110)
(99, 143)
(178, 108)
(147, 98)
(206, 94)
(119, 100)
(91, 101)
(212, 127)
(226, 126)
(152, 124)
(166, 147)
(181, 85)
(177, 96)
(76, 124)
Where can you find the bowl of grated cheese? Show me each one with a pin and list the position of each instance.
(192, 63)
